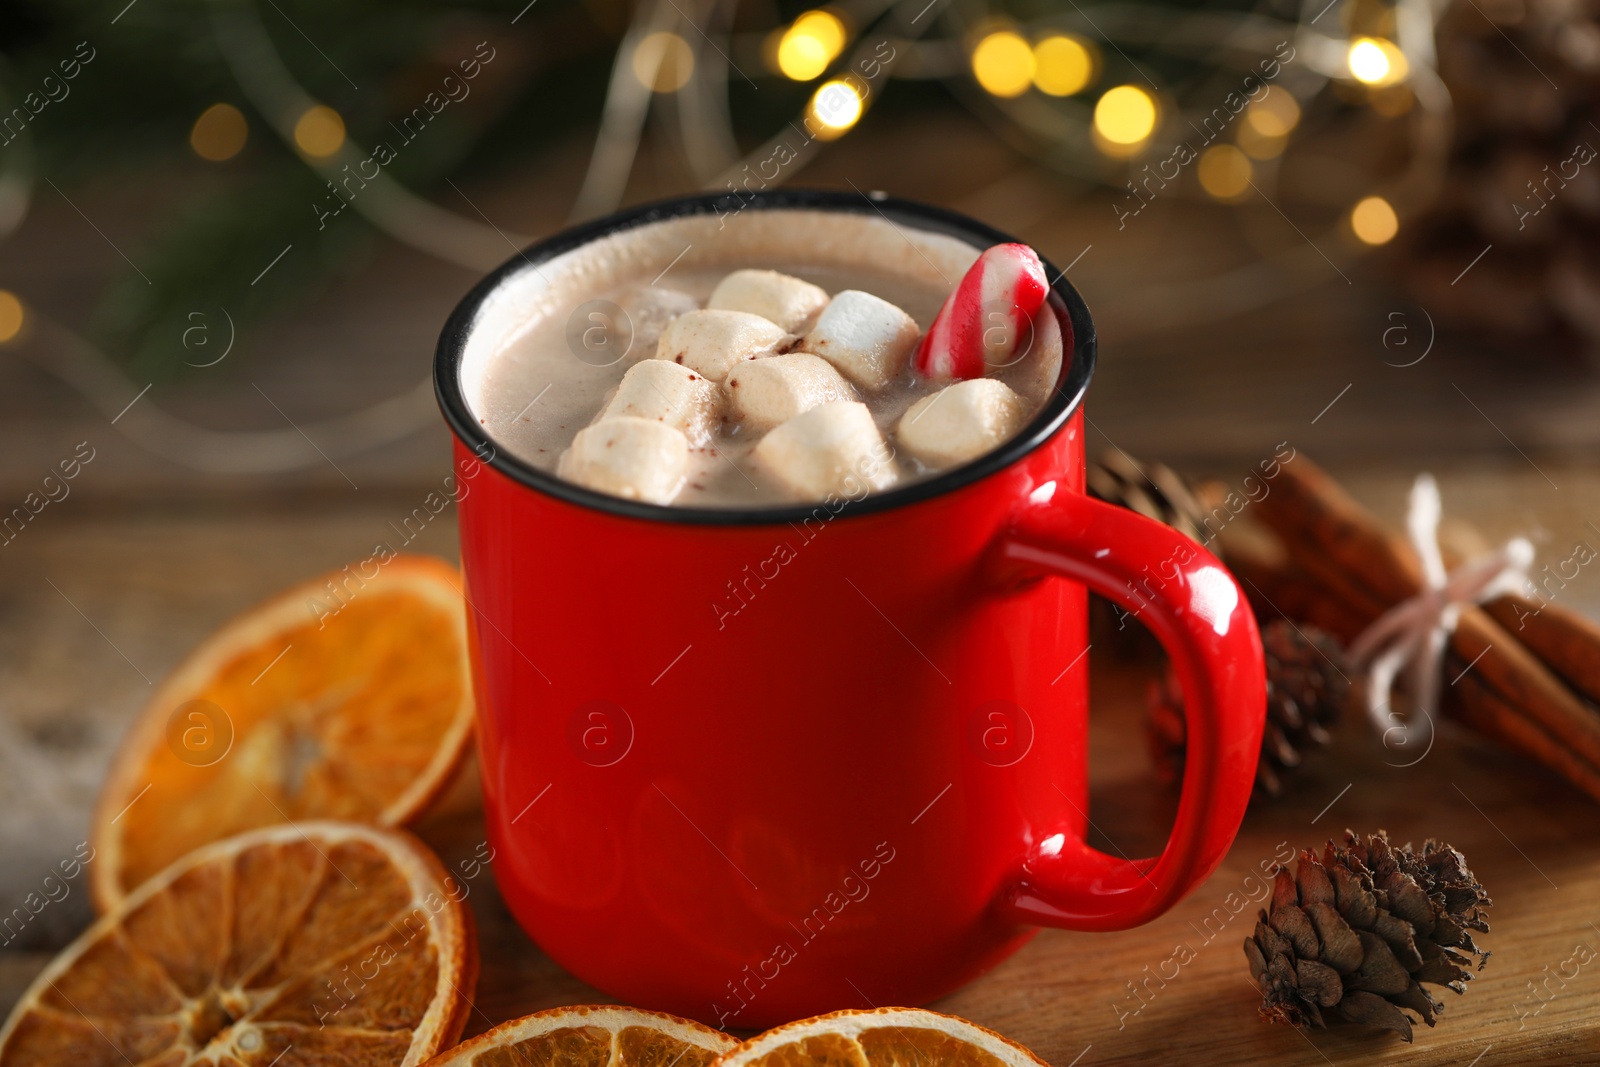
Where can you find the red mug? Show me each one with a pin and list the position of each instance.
(748, 766)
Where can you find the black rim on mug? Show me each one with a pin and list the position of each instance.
(1063, 400)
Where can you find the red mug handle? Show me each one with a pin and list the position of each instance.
(1190, 602)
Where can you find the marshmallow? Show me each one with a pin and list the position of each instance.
(961, 422)
(640, 459)
(710, 341)
(867, 338)
(764, 392)
(649, 308)
(669, 393)
(988, 316)
(1033, 373)
(786, 300)
(834, 448)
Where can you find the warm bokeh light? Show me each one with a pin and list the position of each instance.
(1003, 64)
(1063, 65)
(1257, 145)
(10, 316)
(1375, 61)
(1391, 101)
(801, 57)
(1367, 61)
(835, 107)
(219, 133)
(1125, 115)
(320, 131)
(1374, 221)
(663, 62)
(810, 44)
(1274, 114)
(1224, 172)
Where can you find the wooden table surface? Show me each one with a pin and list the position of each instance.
(1124, 998)
(1534, 842)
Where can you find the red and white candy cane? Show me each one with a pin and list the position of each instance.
(982, 322)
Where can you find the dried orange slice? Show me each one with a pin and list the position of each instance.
(319, 944)
(883, 1037)
(601, 1035)
(346, 697)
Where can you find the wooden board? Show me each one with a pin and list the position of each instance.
(1081, 1000)
(154, 582)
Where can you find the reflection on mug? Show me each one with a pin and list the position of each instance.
(600, 732)
(1000, 732)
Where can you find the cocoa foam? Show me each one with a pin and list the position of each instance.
(523, 381)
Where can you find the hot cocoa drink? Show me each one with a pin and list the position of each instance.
(765, 360)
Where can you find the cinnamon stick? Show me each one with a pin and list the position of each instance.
(1280, 587)
(1478, 706)
(1568, 643)
(1357, 559)
(1350, 588)
(1504, 663)
(1307, 507)
(1290, 592)
(1506, 666)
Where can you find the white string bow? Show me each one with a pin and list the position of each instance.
(1412, 635)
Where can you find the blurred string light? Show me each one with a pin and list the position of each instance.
(1268, 121)
(663, 62)
(11, 315)
(810, 45)
(1400, 77)
(1259, 146)
(835, 107)
(319, 132)
(1391, 101)
(1003, 63)
(1225, 173)
(264, 78)
(1275, 114)
(1063, 64)
(1376, 62)
(1374, 221)
(1125, 117)
(219, 133)
(1007, 57)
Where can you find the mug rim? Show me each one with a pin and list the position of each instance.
(1065, 398)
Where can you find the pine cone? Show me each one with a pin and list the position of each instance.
(1306, 691)
(1524, 81)
(1156, 492)
(1351, 936)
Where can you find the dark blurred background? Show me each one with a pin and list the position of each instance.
(230, 233)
